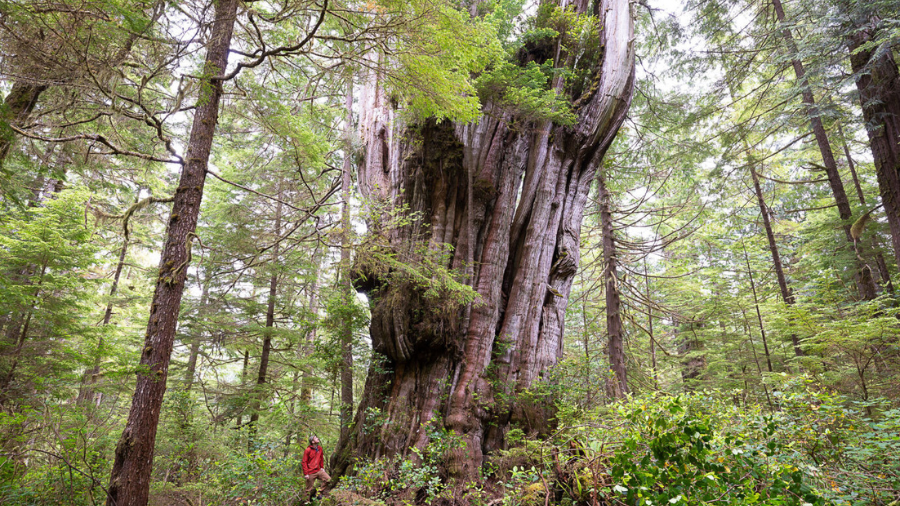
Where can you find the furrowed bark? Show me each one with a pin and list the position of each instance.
(508, 202)
(130, 478)
(864, 281)
(878, 82)
(617, 387)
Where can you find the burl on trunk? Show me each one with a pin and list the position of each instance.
(504, 197)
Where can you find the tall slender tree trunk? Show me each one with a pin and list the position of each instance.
(346, 284)
(747, 327)
(759, 319)
(130, 479)
(239, 421)
(878, 82)
(305, 377)
(93, 375)
(190, 371)
(876, 243)
(22, 336)
(511, 201)
(786, 294)
(650, 327)
(618, 383)
(864, 281)
(259, 393)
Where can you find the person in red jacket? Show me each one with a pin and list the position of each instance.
(314, 466)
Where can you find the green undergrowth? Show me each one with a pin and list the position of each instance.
(811, 448)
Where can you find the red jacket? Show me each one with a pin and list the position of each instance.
(313, 460)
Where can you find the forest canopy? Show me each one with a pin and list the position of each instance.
(396, 252)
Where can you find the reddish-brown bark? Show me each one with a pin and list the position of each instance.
(507, 196)
(130, 479)
(865, 283)
(878, 83)
(786, 294)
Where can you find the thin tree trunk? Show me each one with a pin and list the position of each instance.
(305, 382)
(756, 357)
(762, 328)
(851, 166)
(18, 106)
(22, 336)
(618, 384)
(876, 243)
(346, 285)
(259, 392)
(650, 328)
(130, 478)
(239, 421)
(786, 294)
(92, 376)
(191, 369)
(585, 341)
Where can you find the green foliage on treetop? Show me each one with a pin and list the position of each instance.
(438, 77)
(555, 43)
(525, 91)
(433, 71)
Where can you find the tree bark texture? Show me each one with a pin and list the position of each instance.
(617, 386)
(786, 294)
(864, 281)
(17, 107)
(130, 479)
(509, 195)
(878, 83)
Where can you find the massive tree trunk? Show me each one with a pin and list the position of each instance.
(130, 480)
(878, 83)
(500, 202)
